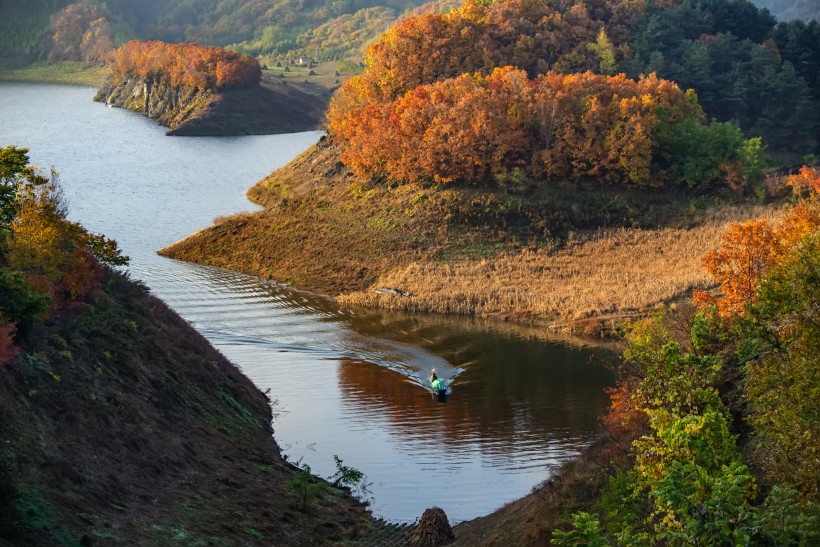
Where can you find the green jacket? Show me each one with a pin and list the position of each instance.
(437, 384)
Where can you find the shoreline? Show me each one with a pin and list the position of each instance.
(325, 231)
(56, 73)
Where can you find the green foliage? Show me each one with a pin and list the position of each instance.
(19, 301)
(624, 503)
(697, 506)
(103, 249)
(720, 49)
(703, 156)
(15, 172)
(779, 351)
(24, 28)
(783, 520)
(586, 531)
(674, 383)
(345, 475)
(349, 476)
(688, 484)
(603, 50)
(307, 487)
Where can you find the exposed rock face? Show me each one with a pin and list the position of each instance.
(171, 106)
(433, 529)
(185, 110)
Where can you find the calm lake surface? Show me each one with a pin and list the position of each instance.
(346, 383)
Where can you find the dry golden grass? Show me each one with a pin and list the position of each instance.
(614, 274)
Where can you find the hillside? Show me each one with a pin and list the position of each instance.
(275, 29)
(747, 67)
(121, 424)
(522, 181)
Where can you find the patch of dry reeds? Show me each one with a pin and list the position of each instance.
(617, 272)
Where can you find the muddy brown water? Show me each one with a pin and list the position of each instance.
(349, 383)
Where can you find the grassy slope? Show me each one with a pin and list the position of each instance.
(58, 73)
(326, 231)
(121, 425)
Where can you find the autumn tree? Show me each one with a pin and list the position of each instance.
(479, 37)
(769, 280)
(15, 172)
(477, 129)
(188, 65)
(58, 257)
(781, 346)
(750, 250)
(81, 34)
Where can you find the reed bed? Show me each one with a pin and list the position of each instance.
(613, 273)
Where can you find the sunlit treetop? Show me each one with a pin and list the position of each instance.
(188, 65)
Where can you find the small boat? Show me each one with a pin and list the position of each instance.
(440, 391)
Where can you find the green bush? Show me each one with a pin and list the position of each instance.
(19, 301)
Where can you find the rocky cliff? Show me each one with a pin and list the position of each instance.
(265, 109)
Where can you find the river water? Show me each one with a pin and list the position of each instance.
(344, 382)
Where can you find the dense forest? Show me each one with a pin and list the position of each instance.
(510, 93)
(323, 29)
(748, 69)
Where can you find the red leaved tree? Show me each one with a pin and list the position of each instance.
(749, 250)
(188, 65)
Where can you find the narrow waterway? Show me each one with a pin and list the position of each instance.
(345, 383)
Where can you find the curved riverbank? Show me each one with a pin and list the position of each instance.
(469, 252)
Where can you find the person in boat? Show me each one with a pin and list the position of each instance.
(435, 383)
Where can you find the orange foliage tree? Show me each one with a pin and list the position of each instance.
(751, 249)
(81, 34)
(475, 129)
(532, 35)
(187, 65)
(60, 258)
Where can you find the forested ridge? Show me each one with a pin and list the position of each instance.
(747, 68)
(324, 29)
(748, 73)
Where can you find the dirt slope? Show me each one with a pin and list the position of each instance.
(120, 425)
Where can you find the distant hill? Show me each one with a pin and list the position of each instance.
(786, 10)
(322, 29)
